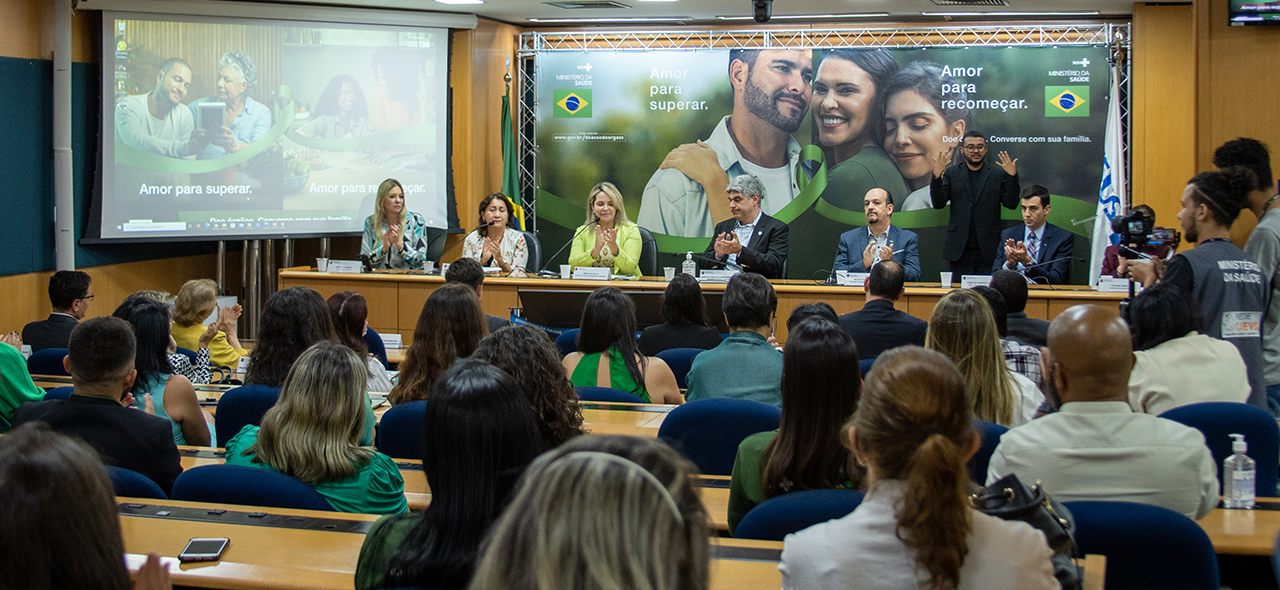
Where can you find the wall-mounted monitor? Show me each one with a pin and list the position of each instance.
(1244, 12)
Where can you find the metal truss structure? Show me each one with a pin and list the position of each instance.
(1115, 36)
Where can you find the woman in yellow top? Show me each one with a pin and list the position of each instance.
(607, 238)
(197, 299)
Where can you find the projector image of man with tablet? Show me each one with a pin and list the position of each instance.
(153, 121)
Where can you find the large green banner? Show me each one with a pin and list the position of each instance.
(820, 128)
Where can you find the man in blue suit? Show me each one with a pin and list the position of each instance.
(862, 247)
(1040, 251)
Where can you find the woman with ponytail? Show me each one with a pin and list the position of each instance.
(916, 528)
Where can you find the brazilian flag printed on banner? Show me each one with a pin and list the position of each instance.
(573, 104)
(1066, 101)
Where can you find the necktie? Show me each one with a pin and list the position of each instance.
(1033, 247)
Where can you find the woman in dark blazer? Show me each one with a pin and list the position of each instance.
(686, 324)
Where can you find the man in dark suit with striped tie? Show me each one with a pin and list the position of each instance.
(1041, 251)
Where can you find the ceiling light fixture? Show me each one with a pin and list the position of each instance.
(460, 1)
(656, 19)
(1015, 13)
(813, 16)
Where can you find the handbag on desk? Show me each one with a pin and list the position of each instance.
(1010, 499)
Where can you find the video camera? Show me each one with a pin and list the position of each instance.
(1137, 230)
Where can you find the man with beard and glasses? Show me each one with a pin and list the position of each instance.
(976, 194)
(152, 121)
(771, 90)
(861, 248)
(1096, 448)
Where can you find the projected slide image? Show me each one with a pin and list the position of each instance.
(241, 127)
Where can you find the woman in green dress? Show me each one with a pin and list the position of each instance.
(608, 355)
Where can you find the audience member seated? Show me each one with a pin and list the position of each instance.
(197, 370)
(915, 528)
(1020, 358)
(964, 329)
(805, 311)
(685, 324)
(745, 365)
(59, 526)
(350, 312)
(196, 301)
(819, 392)
(449, 328)
(608, 356)
(607, 238)
(100, 360)
(292, 320)
(480, 436)
(1013, 287)
(531, 359)
(1175, 365)
(1095, 447)
(69, 294)
(16, 386)
(497, 244)
(172, 396)
(601, 512)
(469, 272)
(313, 434)
(877, 327)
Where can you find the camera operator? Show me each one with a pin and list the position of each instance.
(1227, 285)
(1159, 243)
(1263, 247)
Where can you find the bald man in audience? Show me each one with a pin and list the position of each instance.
(1095, 447)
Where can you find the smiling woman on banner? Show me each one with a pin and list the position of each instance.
(607, 238)
(245, 120)
(341, 111)
(394, 236)
(497, 244)
(848, 110)
(917, 127)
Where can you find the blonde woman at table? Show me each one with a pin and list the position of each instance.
(196, 301)
(607, 238)
(313, 434)
(916, 527)
(394, 236)
(497, 244)
(601, 512)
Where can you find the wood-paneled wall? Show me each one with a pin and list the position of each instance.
(28, 30)
(1163, 107)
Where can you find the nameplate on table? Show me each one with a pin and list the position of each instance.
(26, 351)
(716, 276)
(851, 279)
(966, 281)
(592, 273)
(1114, 285)
(391, 340)
(346, 266)
(243, 365)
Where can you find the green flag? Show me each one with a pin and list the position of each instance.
(510, 168)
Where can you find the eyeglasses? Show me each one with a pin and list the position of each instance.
(974, 148)
(87, 298)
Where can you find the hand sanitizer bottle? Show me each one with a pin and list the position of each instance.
(689, 267)
(1238, 476)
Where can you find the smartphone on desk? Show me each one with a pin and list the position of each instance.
(204, 550)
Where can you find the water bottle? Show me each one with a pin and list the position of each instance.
(689, 267)
(1238, 476)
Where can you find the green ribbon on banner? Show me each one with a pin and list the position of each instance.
(418, 135)
(810, 188)
(137, 158)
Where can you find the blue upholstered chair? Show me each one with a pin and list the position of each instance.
(978, 463)
(864, 365)
(242, 406)
(708, 431)
(608, 395)
(567, 342)
(1218, 420)
(680, 360)
(187, 352)
(63, 393)
(248, 486)
(1146, 546)
(777, 517)
(376, 347)
(648, 262)
(401, 431)
(47, 362)
(131, 484)
(534, 262)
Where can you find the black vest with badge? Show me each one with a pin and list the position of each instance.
(1232, 295)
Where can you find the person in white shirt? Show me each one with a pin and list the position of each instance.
(1174, 364)
(154, 123)
(915, 528)
(1095, 447)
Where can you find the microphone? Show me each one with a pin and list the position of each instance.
(464, 238)
(544, 271)
(1032, 280)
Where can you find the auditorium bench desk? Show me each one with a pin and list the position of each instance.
(395, 298)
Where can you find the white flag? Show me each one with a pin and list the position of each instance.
(1112, 196)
